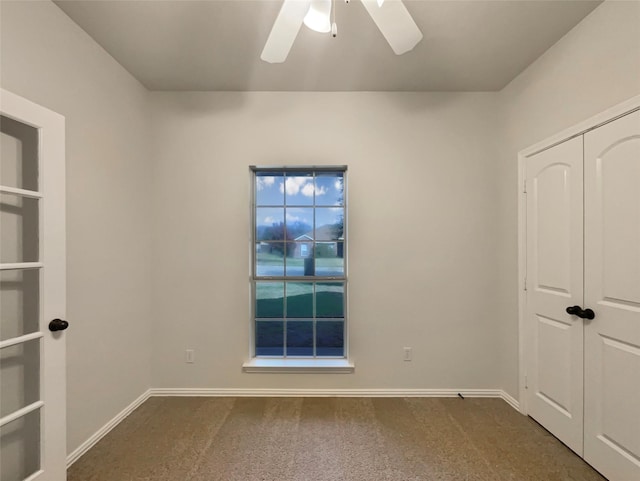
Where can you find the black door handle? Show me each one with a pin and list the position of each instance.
(574, 310)
(581, 313)
(58, 325)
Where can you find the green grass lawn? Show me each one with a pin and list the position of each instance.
(277, 260)
(269, 259)
(328, 304)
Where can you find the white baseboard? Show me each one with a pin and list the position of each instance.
(104, 430)
(510, 400)
(238, 392)
(231, 392)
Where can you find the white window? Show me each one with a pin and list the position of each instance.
(299, 263)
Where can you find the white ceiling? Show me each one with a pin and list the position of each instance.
(216, 44)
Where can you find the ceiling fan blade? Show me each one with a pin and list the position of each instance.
(396, 24)
(285, 30)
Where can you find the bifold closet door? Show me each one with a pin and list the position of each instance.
(612, 290)
(555, 281)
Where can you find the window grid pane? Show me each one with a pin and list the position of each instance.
(305, 209)
(292, 303)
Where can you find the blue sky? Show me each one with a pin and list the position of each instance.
(299, 190)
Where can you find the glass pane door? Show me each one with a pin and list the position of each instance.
(20, 308)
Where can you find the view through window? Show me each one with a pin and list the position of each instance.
(299, 282)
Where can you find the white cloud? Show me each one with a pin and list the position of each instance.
(304, 185)
(269, 220)
(293, 185)
(338, 185)
(262, 182)
(308, 190)
(293, 218)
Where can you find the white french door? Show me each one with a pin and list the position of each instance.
(583, 294)
(32, 292)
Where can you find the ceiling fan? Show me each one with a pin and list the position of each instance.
(391, 17)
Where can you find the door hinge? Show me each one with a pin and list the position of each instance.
(524, 187)
(526, 383)
(525, 283)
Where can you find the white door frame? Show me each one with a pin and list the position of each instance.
(594, 122)
(52, 258)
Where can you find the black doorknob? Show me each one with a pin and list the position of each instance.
(581, 313)
(58, 325)
(574, 310)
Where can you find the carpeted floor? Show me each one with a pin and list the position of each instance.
(329, 439)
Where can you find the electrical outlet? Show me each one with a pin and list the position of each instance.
(189, 356)
(407, 353)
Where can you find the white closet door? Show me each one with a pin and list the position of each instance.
(612, 290)
(555, 282)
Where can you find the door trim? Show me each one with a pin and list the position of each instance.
(609, 115)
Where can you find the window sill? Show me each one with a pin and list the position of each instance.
(298, 366)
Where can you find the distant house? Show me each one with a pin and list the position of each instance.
(304, 246)
(326, 239)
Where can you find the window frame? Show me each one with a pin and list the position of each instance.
(285, 363)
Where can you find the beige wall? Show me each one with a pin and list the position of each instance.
(48, 59)
(595, 66)
(422, 226)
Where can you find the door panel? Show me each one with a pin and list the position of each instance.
(555, 281)
(19, 153)
(554, 363)
(553, 225)
(19, 376)
(19, 303)
(20, 448)
(612, 290)
(20, 225)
